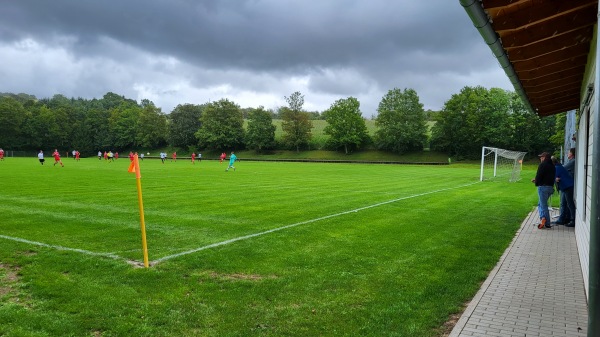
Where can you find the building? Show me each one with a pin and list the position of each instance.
(549, 50)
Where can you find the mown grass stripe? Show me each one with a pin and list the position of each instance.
(245, 237)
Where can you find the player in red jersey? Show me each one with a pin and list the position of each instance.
(57, 158)
(193, 158)
(77, 155)
(1, 154)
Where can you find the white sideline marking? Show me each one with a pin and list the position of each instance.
(82, 251)
(222, 243)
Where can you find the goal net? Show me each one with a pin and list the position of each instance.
(501, 164)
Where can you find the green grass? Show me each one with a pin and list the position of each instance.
(398, 268)
(360, 156)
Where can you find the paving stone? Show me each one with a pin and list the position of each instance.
(535, 290)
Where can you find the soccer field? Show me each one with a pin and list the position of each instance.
(271, 249)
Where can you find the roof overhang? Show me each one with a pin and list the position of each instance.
(546, 44)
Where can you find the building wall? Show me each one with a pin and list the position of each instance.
(583, 190)
(583, 172)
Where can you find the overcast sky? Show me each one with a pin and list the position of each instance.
(253, 52)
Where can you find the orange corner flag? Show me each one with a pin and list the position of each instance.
(134, 167)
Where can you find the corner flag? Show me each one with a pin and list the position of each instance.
(134, 167)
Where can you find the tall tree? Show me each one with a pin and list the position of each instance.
(97, 118)
(222, 126)
(36, 128)
(345, 124)
(261, 131)
(295, 123)
(123, 122)
(79, 138)
(478, 117)
(63, 116)
(184, 122)
(152, 126)
(110, 100)
(531, 133)
(401, 122)
(12, 118)
(452, 131)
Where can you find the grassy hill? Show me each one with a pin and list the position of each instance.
(319, 138)
(316, 151)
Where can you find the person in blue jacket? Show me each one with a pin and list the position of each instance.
(565, 184)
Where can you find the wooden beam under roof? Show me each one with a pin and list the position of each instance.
(557, 74)
(551, 81)
(540, 64)
(554, 42)
(533, 12)
(559, 27)
(547, 43)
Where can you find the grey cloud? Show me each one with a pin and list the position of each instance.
(344, 48)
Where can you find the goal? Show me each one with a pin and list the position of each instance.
(501, 164)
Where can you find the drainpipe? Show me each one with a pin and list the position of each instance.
(484, 26)
(594, 277)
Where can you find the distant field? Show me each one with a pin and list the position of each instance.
(318, 135)
(271, 249)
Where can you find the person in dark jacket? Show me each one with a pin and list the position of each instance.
(544, 180)
(565, 184)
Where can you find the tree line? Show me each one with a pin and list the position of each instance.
(470, 119)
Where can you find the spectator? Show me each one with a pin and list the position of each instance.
(565, 184)
(544, 181)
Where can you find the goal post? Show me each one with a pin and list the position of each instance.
(501, 164)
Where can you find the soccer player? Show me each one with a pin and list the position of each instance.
(232, 160)
(99, 155)
(41, 157)
(193, 158)
(130, 156)
(163, 155)
(174, 157)
(1, 154)
(76, 155)
(57, 158)
(222, 157)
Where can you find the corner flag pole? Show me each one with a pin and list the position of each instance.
(134, 167)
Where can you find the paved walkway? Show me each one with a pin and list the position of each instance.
(536, 289)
